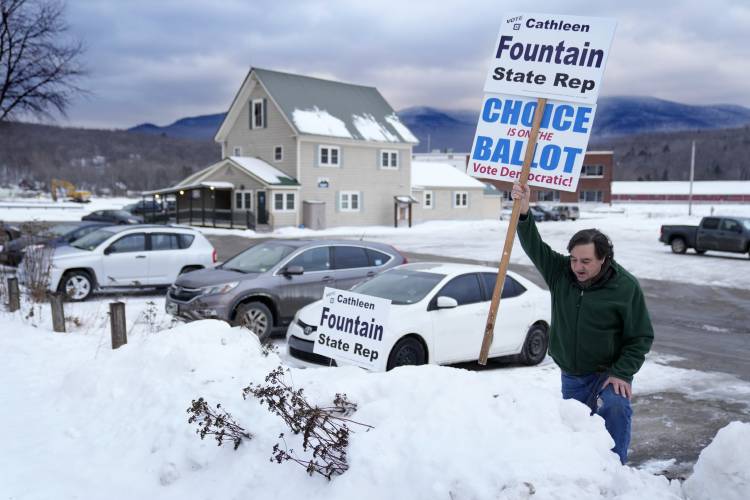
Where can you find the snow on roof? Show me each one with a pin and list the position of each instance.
(263, 170)
(404, 132)
(680, 187)
(345, 110)
(428, 174)
(370, 130)
(319, 122)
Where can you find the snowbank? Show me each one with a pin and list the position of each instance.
(723, 468)
(97, 423)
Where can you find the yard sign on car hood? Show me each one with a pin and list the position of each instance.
(352, 327)
(538, 57)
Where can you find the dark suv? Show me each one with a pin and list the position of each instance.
(264, 286)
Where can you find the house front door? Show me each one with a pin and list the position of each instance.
(262, 214)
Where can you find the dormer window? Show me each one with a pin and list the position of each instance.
(258, 113)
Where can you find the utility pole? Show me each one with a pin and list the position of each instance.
(692, 176)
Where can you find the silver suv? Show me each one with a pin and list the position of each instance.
(264, 286)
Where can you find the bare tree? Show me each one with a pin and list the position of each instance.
(39, 63)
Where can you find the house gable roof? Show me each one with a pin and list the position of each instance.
(255, 167)
(313, 106)
(266, 173)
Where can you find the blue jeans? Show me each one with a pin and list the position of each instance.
(613, 408)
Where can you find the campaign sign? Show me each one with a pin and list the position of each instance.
(351, 328)
(503, 131)
(550, 55)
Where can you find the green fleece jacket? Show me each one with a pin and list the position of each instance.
(604, 327)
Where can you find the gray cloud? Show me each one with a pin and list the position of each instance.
(160, 61)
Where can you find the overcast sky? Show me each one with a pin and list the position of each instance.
(158, 61)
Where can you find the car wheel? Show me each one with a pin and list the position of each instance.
(700, 252)
(678, 245)
(76, 285)
(256, 317)
(563, 216)
(407, 351)
(535, 346)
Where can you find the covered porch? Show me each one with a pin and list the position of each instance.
(205, 203)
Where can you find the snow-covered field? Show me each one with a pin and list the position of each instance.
(83, 421)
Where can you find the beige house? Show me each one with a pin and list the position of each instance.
(445, 193)
(305, 151)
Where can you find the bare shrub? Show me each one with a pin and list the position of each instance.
(325, 430)
(37, 261)
(217, 423)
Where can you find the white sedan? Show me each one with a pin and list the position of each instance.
(438, 315)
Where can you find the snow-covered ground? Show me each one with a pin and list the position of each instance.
(83, 421)
(43, 208)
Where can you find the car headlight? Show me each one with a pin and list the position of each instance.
(223, 288)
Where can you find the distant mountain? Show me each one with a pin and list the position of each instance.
(195, 127)
(636, 115)
(454, 129)
(615, 116)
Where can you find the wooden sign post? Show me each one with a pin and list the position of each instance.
(489, 329)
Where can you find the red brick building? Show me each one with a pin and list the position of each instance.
(594, 185)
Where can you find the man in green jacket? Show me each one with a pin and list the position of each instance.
(601, 330)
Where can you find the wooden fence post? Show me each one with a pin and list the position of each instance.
(14, 295)
(58, 313)
(117, 324)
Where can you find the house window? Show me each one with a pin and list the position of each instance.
(592, 171)
(349, 201)
(328, 156)
(283, 202)
(243, 200)
(427, 199)
(389, 159)
(237, 151)
(548, 196)
(507, 195)
(460, 199)
(590, 196)
(278, 153)
(258, 118)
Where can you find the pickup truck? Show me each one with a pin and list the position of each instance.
(724, 234)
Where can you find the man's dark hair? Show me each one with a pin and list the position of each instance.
(602, 245)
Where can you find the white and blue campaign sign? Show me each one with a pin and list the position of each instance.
(503, 131)
(550, 55)
(352, 328)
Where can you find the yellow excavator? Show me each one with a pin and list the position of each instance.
(70, 191)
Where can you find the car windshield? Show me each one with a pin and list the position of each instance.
(61, 229)
(746, 223)
(92, 240)
(259, 258)
(400, 286)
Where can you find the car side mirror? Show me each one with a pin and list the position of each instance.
(294, 270)
(444, 302)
